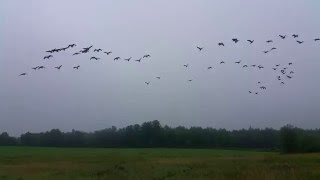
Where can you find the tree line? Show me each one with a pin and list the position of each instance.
(288, 139)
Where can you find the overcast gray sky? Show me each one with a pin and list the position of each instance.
(105, 93)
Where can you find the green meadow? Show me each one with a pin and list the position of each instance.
(98, 163)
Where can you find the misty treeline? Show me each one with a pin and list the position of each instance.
(289, 139)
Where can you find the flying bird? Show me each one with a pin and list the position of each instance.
(97, 50)
(158, 77)
(76, 53)
(41, 67)
(251, 41)
(274, 68)
(235, 40)
(291, 72)
(295, 35)
(290, 63)
(263, 87)
(190, 80)
(282, 82)
(58, 67)
(220, 44)
(300, 42)
(317, 39)
(222, 62)
(260, 67)
(23, 74)
(146, 56)
(76, 67)
(250, 92)
(238, 62)
(269, 41)
(245, 66)
(210, 67)
(116, 58)
(273, 48)
(47, 57)
(86, 50)
(35, 68)
(253, 65)
(138, 60)
(282, 36)
(200, 48)
(289, 77)
(94, 58)
(265, 52)
(147, 83)
(72, 45)
(128, 59)
(108, 52)
(277, 65)
(186, 65)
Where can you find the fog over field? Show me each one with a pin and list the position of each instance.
(104, 92)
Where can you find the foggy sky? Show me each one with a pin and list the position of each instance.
(105, 93)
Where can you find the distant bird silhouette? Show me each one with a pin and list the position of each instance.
(72, 45)
(97, 50)
(58, 67)
(200, 48)
(76, 67)
(265, 52)
(283, 71)
(300, 42)
(128, 59)
(282, 82)
(116, 58)
(158, 77)
(235, 40)
(108, 52)
(186, 65)
(295, 35)
(250, 92)
(269, 41)
(220, 44)
(289, 77)
(222, 62)
(282, 36)
(35, 68)
(210, 67)
(50, 51)
(238, 62)
(253, 65)
(260, 67)
(86, 50)
(279, 78)
(138, 60)
(94, 58)
(250, 41)
(147, 83)
(256, 93)
(259, 82)
(190, 80)
(290, 63)
(263, 87)
(41, 67)
(273, 48)
(291, 72)
(23, 74)
(47, 57)
(245, 66)
(76, 53)
(277, 65)
(146, 56)
(317, 39)
(274, 68)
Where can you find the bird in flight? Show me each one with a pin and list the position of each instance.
(76, 67)
(269, 41)
(253, 65)
(146, 56)
(94, 58)
(277, 65)
(128, 59)
(41, 67)
(235, 40)
(116, 58)
(263, 87)
(282, 82)
(290, 63)
(250, 92)
(23, 74)
(265, 52)
(273, 48)
(250, 41)
(35, 68)
(158, 77)
(58, 67)
(289, 77)
(200, 48)
(220, 44)
(138, 60)
(291, 72)
(274, 68)
(295, 35)
(300, 42)
(147, 83)
(97, 50)
(260, 67)
(47, 57)
(282, 36)
(317, 39)
(85, 50)
(186, 65)
(222, 62)
(72, 45)
(238, 62)
(245, 66)
(108, 52)
(190, 80)
(210, 67)
(76, 53)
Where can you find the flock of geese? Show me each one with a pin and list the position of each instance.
(285, 72)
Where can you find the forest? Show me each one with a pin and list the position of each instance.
(288, 139)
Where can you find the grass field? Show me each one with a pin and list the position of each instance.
(91, 163)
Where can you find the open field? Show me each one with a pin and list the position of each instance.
(91, 163)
